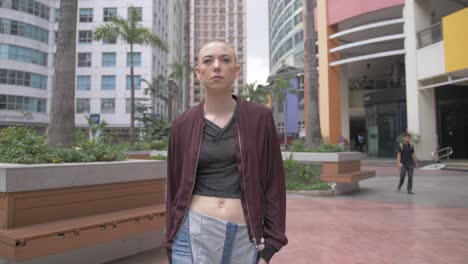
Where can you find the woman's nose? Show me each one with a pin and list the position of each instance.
(216, 64)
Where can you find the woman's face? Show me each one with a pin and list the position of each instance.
(217, 67)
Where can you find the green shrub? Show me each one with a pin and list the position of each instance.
(139, 145)
(159, 157)
(298, 145)
(23, 145)
(159, 144)
(300, 176)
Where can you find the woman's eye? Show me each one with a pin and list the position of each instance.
(207, 61)
(226, 60)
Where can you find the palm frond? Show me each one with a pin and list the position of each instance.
(146, 37)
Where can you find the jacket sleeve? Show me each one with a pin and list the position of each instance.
(274, 225)
(170, 190)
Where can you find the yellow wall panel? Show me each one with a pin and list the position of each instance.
(455, 31)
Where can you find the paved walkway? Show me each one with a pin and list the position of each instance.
(375, 225)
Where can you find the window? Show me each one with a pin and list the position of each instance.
(57, 14)
(83, 82)
(137, 80)
(21, 29)
(138, 102)
(85, 36)
(108, 59)
(138, 10)
(27, 6)
(23, 103)
(20, 78)
(109, 14)
(17, 53)
(300, 83)
(84, 59)
(86, 15)
(108, 82)
(107, 105)
(109, 41)
(83, 105)
(136, 59)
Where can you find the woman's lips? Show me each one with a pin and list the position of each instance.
(216, 78)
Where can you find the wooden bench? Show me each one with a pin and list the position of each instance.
(344, 172)
(31, 241)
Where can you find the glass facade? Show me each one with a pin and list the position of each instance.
(83, 82)
(108, 82)
(21, 29)
(23, 103)
(27, 6)
(83, 105)
(286, 30)
(17, 53)
(108, 59)
(21, 78)
(137, 80)
(136, 59)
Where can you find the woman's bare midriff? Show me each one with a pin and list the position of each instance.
(227, 209)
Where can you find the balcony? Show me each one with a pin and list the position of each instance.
(430, 35)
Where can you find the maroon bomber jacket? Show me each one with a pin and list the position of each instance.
(260, 165)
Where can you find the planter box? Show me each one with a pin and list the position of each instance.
(341, 168)
(139, 154)
(50, 209)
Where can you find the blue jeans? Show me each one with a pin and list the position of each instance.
(207, 240)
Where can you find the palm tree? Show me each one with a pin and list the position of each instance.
(313, 132)
(62, 115)
(253, 93)
(131, 32)
(281, 87)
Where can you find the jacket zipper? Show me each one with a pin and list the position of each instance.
(245, 188)
(195, 175)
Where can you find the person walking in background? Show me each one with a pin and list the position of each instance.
(406, 161)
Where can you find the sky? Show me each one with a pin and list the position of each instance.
(257, 41)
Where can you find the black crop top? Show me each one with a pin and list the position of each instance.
(217, 171)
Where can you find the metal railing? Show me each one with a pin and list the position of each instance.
(443, 153)
(430, 35)
(370, 84)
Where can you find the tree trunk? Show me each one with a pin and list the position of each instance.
(132, 99)
(285, 126)
(61, 129)
(313, 131)
(187, 70)
(169, 101)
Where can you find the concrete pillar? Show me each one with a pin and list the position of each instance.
(329, 77)
(421, 107)
(345, 130)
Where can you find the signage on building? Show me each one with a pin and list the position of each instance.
(95, 118)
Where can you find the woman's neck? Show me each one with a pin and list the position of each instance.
(219, 104)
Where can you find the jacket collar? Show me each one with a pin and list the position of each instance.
(200, 106)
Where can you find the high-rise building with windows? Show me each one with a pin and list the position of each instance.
(28, 30)
(286, 34)
(217, 19)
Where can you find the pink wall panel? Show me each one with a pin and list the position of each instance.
(340, 10)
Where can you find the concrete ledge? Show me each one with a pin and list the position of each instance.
(20, 177)
(323, 156)
(345, 188)
(314, 193)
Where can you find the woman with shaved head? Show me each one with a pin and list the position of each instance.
(226, 197)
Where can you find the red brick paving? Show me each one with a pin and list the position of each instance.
(335, 230)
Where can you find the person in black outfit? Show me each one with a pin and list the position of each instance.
(406, 162)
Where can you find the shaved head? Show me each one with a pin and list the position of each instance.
(214, 42)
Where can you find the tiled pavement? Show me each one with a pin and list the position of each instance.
(375, 225)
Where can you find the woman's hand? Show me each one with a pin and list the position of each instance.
(260, 248)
